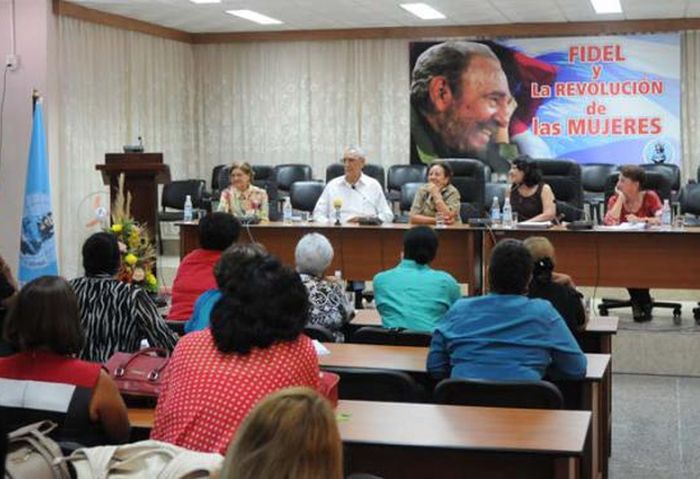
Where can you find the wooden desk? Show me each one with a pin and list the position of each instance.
(643, 259)
(583, 395)
(412, 359)
(453, 441)
(596, 338)
(362, 251)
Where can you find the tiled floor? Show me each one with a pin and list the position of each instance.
(656, 427)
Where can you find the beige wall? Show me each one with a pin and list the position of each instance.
(34, 24)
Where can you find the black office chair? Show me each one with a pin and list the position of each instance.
(223, 180)
(335, 170)
(319, 333)
(593, 178)
(659, 183)
(513, 394)
(670, 171)
(494, 190)
(305, 194)
(564, 177)
(469, 178)
(216, 185)
(173, 198)
(408, 193)
(376, 385)
(391, 336)
(399, 175)
(376, 172)
(689, 199)
(286, 175)
(673, 174)
(262, 174)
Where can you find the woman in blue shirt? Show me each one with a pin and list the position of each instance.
(505, 335)
(413, 295)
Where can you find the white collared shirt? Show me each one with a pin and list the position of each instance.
(364, 198)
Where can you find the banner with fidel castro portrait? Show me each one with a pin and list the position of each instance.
(612, 99)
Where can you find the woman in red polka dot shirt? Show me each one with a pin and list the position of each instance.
(253, 347)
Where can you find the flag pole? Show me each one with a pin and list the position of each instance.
(35, 98)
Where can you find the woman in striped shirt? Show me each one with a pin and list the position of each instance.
(114, 316)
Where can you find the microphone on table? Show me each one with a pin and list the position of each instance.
(576, 225)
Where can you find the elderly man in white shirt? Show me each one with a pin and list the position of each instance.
(359, 195)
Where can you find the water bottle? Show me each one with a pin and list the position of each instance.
(495, 211)
(666, 216)
(507, 214)
(188, 208)
(287, 210)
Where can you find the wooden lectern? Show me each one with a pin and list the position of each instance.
(143, 172)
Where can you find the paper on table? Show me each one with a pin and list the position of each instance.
(535, 225)
(623, 227)
(321, 350)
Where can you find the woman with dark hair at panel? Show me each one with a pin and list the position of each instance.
(115, 316)
(530, 197)
(195, 275)
(413, 295)
(291, 434)
(557, 288)
(632, 204)
(504, 335)
(437, 197)
(253, 347)
(243, 198)
(226, 271)
(329, 306)
(43, 380)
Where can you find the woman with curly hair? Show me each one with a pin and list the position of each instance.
(253, 347)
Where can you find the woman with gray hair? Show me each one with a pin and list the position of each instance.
(329, 307)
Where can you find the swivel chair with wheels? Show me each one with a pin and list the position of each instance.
(659, 183)
(593, 178)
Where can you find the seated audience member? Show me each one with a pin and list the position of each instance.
(358, 195)
(195, 275)
(530, 197)
(329, 307)
(291, 434)
(8, 288)
(43, 380)
(226, 270)
(243, 198)
(505, 335)
(556, 288)
(632, 204)
(413, 295)
(114, 316)
(253, 347)
(437, 196)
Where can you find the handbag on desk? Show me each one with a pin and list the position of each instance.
(139, 373)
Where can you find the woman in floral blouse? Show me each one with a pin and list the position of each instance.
(329, 306)
(243, 198)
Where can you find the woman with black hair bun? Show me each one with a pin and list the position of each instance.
(557, 288)
(530, 197)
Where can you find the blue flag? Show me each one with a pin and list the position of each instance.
(38, 245)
